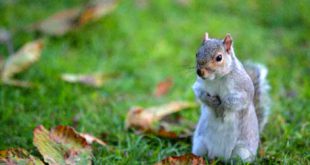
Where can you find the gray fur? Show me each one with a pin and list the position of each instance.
(207, 51)
(231, 107)
(258, 74)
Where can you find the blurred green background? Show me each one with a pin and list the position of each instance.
(144, 42)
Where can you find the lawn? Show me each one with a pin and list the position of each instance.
(142, 43)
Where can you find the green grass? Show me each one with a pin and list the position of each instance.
(144, 45)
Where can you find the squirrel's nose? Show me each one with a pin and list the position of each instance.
(199, 72)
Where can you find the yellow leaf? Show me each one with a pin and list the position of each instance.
(59, 23)
(96, 10)
(18, 156)
(62, 145)
(144, 118)
(65, 21)
(95, 80)
(21, 61)
(90, 139)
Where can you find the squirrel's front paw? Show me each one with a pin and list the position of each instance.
(213, 100)
(205, 97)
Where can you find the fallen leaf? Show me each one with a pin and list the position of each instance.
(69, 19)
(144, 118)
(167, 134)
(187, 159)
(21, 61)
(163, 87)
(62, 145)
(18, 156)
(90, 139)
(96, 10)
(173, 130)
(95, 80)
(59, 23)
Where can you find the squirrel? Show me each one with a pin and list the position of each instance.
(234, 102)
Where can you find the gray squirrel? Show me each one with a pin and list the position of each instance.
(234, 102)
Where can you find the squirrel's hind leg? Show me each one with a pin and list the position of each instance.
(199, 147)
(243, 153)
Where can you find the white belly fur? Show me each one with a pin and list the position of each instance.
(219, 137)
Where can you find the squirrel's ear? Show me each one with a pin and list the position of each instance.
(227, 42)
(205, 38)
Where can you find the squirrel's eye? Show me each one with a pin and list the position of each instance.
(218, 58)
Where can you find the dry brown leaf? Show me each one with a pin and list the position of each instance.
(163, 87)
(96, 10)
(65, 21)
(59, 23)
(144, 118)
(94, 80)
(18, 156)
(62, 145)
(187, 159)
(21, 61)
(158, 121)
(162, 132)
(166, 131)
(90, 139)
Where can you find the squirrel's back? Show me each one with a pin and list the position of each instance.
(258, 74)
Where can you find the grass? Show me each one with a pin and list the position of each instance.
(145, 42)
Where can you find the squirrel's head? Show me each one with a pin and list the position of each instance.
(214, 57)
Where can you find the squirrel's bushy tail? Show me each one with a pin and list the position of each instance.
(258, 74)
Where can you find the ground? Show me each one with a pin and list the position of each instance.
(142, 43)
